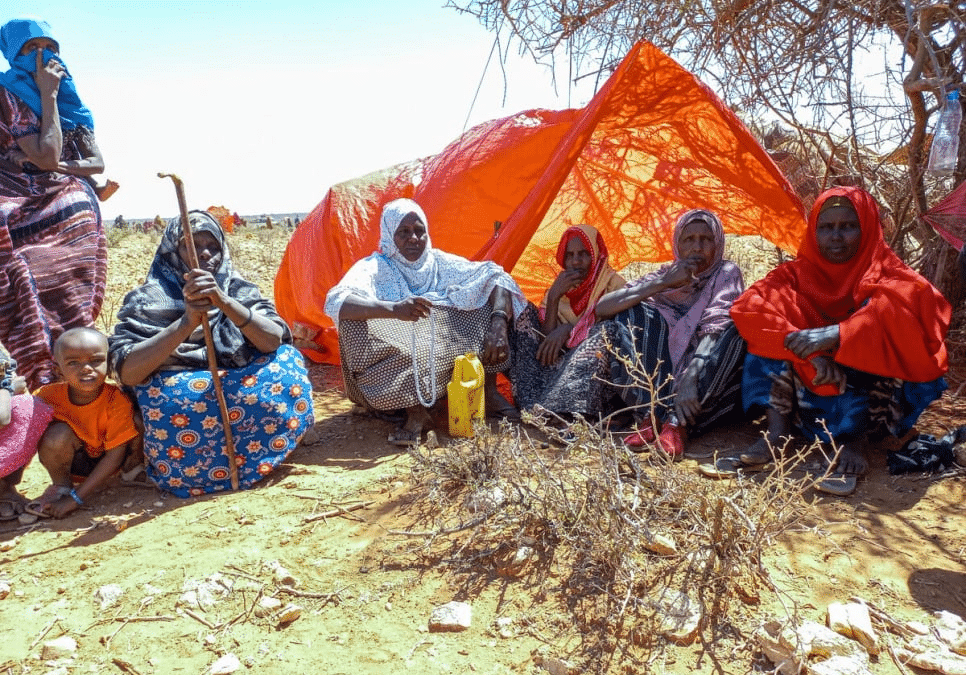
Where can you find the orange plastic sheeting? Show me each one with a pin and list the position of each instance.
(653, 143)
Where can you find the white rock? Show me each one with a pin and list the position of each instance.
(485, 499)
(280, 574)
(59, 648)
(4, 589)
(205, 593)
(929, 653)
(504, 627)
(808, 646)
(9, 544)
(852, 620)
(267, 605)
(227, 664)
(660, 544)
(952, 631)
(453, 616)
(289, 614)
(108, 595)
(679, 616)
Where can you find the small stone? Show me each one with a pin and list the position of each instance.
(485, 499)
(311, 437)
(227, 664)
(159, 504)
(432, 442)
(59, 648)
(4, 589)
(660, 544)
(267, 605)
(108, 595)
(453, 616)
(504, 627)
(61, 590)
(27, 518)
(679, 616)
(9, 544)
(517, 563)
(280, 574)
(289, 614)
(388, 606)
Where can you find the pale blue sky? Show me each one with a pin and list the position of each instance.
(262, 105)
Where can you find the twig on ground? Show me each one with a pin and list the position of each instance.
(328, 597)
(239, 572)
(125, 666)
(43, 633)
(198, 618)
(340, 511)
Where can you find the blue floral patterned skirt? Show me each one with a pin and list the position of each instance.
(270, 407)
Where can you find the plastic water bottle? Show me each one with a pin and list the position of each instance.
(945, 140)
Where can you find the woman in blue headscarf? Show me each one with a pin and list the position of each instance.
(53, 257)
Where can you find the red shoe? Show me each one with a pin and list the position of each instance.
(641, 437)
(672, 441)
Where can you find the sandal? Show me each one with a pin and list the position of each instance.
(728, 467)
(641, 437)
(671, 441)
(838, 484)
(38, 507)
(10, 509)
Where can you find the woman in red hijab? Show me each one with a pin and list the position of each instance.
(560, 352)
(846, 342)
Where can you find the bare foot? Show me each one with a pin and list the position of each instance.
(852, 459)
(417, 418)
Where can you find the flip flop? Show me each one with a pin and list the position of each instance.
(838, 484)
(723, 467)
(729, 467)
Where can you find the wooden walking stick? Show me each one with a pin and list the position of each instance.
(209, 340)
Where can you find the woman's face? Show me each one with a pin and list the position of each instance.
(838, 234)
(577, 258)
(410, 237)
(696, 243)
(33, 44)
(207, 248)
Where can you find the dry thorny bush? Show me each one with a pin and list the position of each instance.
(586, 521)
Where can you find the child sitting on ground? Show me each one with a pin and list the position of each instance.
(22, 420)
(93, 426)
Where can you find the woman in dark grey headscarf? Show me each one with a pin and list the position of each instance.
(158, 348)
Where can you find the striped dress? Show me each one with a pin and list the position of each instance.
(53, 256)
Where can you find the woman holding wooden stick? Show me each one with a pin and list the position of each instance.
(158, 347)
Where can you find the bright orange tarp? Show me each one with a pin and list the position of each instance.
(653, 143)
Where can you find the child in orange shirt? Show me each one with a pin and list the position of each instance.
(93, 425)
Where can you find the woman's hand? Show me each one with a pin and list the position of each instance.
(48, 77)
(201, 293)
(687, 405)
(804, 343)
(411, 309)
(496, 342)
(680, 273)
(549, 350)
(828, 372)
(565, 282)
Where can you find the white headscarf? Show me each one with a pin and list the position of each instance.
(442, 278)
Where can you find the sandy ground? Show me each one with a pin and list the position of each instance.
(365, 595)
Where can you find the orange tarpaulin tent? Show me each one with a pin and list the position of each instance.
(653, 143)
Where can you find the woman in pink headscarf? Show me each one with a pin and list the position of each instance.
(560, 356)
(681, 354)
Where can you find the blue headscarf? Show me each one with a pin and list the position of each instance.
(19, 79)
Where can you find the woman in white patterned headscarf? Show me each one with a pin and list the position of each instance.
(407, 311)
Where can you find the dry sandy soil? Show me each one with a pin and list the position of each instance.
(366, 595)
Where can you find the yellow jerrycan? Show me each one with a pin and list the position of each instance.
(465, 394)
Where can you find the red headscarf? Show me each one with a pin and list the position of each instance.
(892, 322)
(578, 305)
